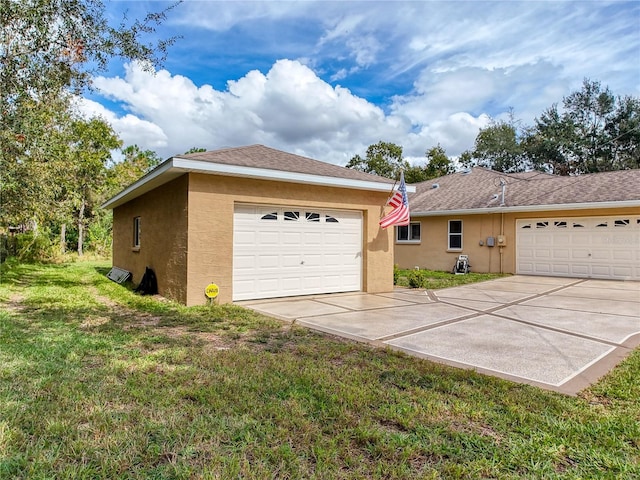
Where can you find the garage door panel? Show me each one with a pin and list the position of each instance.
(598, 247)
(560, 269)
(314, 251)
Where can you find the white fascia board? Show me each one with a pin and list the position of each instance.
(145, 184)
(529, 208)
(176, 166)
(280, 175)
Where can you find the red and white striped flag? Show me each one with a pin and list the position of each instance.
(399, 215)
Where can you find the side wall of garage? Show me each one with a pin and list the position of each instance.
(162, 214)
(432, 252)
(211, 205)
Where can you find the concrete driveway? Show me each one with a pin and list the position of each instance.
(560, 334)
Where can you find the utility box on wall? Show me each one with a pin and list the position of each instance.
(490, 242)
(502, 241)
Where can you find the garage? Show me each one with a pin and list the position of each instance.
(584, 247)
(281, 251)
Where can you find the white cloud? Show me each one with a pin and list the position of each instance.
(288, 106)
(444, 69)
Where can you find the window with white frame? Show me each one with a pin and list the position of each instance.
(136, 232)
(455, 235)
(409, 233)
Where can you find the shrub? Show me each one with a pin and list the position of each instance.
(416, 279)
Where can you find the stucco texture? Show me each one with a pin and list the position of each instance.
(187, 231)
(432, 253)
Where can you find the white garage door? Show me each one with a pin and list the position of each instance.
(594, 247)
(286, 251)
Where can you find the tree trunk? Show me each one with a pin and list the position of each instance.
(81, 227)
(63, 238)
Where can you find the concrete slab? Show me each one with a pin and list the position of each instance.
(363, 302)
(294, 309)
(508, 347)
(413, 296)
(557, 333)
(517, 287)
(376, 324)
(471, 304)
(585, 291)
(581, 304)
(470, 293)
(535, 279)
(611, 328)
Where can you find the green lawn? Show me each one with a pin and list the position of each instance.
(96, 382)
(434, 280)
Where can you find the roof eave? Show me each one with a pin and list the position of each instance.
(177, 166)
(529, 208)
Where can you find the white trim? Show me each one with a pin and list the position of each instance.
(530, 208)
(405, 242)
(188, 165)
(176, 166)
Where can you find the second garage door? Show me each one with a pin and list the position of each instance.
(594, 247)
(287, 251)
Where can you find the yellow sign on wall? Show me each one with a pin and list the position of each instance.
(212, 290)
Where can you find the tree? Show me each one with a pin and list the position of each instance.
(382, 158)
(438, 165)
(594, 132)
(498, 147)
(195, 150)
(135, 164)
(49, 50)
(88, 157)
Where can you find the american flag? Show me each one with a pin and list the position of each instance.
(399, 215)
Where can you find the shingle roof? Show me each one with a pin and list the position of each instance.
(259, 156)
(481, 188)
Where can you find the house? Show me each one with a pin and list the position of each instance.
(528, 223)
(258, 223)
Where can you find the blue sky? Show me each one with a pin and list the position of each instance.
(325, 79)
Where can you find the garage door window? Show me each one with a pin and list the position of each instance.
(270, 216)
(312, 217)
(291, 216)
(455, 234)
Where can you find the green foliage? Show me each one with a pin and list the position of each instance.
(595, 132)
(498, 147)
(98, 382)
(382, 158)
(51, 160)
(416, 278)
(438, 164)
(34, 247)
(434, 280)
(195, 150)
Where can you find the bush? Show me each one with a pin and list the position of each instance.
(416, 279)
(35, 247)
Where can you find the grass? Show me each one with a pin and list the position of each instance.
(434, 280)
(97, 382)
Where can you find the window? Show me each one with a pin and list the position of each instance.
(291, 216)
(270, 216)
(312, 216)
(136, 232)
(408, 233)
(455, 234)
(330, 219)
(560, 224)
(621, 223)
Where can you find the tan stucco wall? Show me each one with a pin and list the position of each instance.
(210, 242)
(163, 238)
(431, 253)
